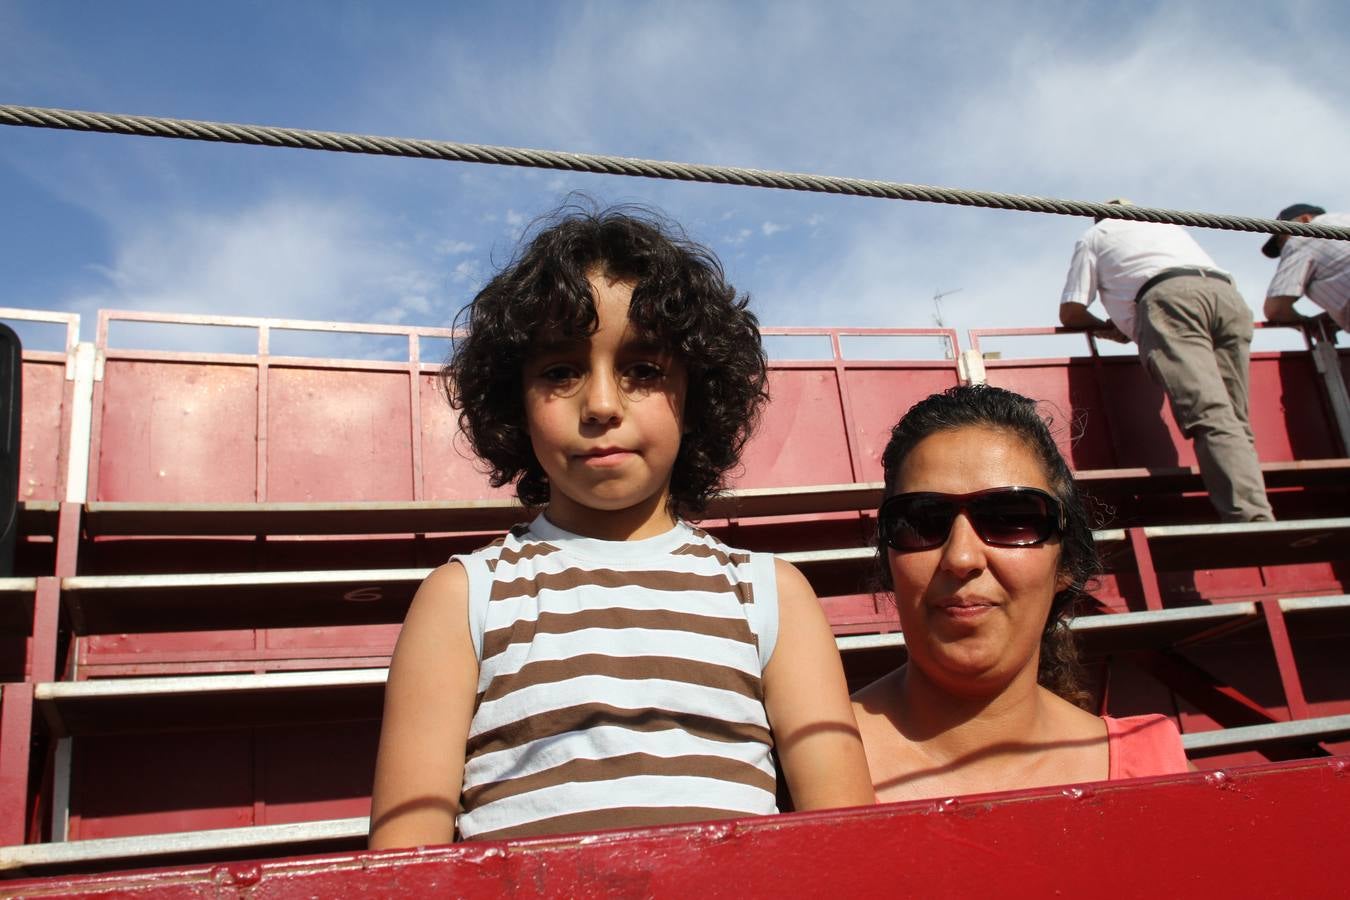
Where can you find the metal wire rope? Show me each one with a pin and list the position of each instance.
(339, 142)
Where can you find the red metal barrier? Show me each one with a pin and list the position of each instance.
(1123, 420)
(1270, 831)
(174, 427)
(46, 408)
(183, 427)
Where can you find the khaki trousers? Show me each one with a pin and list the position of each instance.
(1195, 337)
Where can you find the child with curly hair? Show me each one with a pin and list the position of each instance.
(608, 664)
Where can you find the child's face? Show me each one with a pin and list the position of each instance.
(605, 417)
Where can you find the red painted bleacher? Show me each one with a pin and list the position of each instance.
(218, 589)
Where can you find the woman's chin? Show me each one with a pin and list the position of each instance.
(969, 670)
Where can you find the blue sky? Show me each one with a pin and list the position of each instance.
(1239, 108)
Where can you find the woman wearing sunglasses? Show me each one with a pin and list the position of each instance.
(986, 545)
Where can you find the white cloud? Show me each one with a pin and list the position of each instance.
(454, 248)
(1173, 122)
(466, 272)
(1167, 106)
(292, 257)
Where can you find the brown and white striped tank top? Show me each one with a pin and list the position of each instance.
(619, 682)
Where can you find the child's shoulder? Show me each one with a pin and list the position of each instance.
(705, 543)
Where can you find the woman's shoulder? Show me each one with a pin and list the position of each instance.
(874, 698)
(1144, 745)
(1146, 728)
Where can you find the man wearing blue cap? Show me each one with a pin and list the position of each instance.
(1194, 332)
(1316, 268)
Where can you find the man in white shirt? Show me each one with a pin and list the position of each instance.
(1315, 268)
(1194, 332)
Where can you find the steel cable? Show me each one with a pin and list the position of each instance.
(339, 142)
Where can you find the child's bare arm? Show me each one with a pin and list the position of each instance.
(428, 705)
(808, 704)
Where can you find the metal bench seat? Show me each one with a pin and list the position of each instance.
(123, 705)
(298, 837)
(1250, 737)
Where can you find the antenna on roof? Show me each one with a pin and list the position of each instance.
(947, 349)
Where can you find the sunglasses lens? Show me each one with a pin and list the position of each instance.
(918, 521)
(1015, 519)
(1007, 517)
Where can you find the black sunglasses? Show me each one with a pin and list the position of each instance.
(1001, 516)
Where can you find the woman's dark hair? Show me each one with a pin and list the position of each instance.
(992, 407)
(681, 301)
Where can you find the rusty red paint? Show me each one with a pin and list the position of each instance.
(1284, 658)
(338, 435)
(45, 425)
(1143, 565)
(801, 438)
(16, 724)
(1287, 414)
(46, 619)
(827, 423)
(1123, 838)
(177, 432)
(68, 539)
(877, 397)
(449, 470)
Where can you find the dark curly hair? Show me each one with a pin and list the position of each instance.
(681, 301)
(992, 407)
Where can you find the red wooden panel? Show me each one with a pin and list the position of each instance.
(1071, 398)
(382, 551)
(801, 437)
(145, 556)
(299, 784)
(1184, 588)
(97, 648)
(1125, 419)
(1137, 419)
(879, 397)
(1246, 664)
(377, 640)
(1289, 417)
(335, 659)
(16, 719)
(127, 785)
(862, 614)
(43, 453)
(178, 432)
(1307, 578)
(1280, 828)
(334, 434)
(1108, 590)
(450, 471)
(1324, 670)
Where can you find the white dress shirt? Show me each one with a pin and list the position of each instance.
(1114, 258)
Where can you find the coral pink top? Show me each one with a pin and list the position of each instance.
(1144, 745)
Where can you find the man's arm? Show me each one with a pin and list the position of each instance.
(1281, 311)
(1076, 315)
